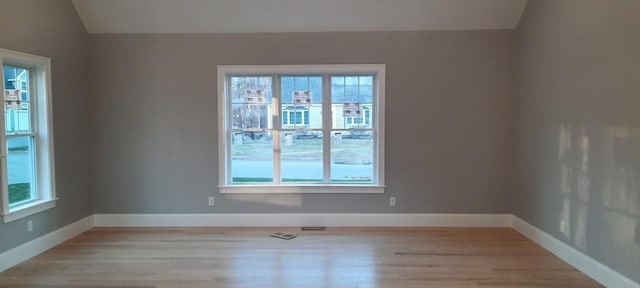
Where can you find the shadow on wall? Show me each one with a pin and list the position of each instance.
(284, 200)
(599, 182)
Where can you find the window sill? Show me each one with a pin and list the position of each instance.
(302, 189)
(28, 209)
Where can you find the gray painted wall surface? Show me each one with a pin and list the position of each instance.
(450, 130)
(53, 29)
(449, 119)
(578, 152)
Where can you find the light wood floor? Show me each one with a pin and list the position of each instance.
(337, 257)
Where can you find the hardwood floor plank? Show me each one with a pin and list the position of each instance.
(336, 257)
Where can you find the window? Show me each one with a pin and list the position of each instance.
(295, 116)
(366, 119)
(301, 129)
(26, 142)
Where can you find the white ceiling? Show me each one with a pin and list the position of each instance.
(251, 16)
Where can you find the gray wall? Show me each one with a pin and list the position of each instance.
(578, 154)
(449, 119)
(450, 111)
(52, 28)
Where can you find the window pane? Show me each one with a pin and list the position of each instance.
(296, 117)
(351, 98)
(251, 100)
(16, 100)
(302, 156)
(351, 157)
(251, 157)
(20, 169)
(302, 99)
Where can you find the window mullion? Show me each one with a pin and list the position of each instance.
(33, 101)
(35, 126)
(326, 128)
(15, 135)
(377, 123)
(3, 149)
(277, 127)
(228, 114)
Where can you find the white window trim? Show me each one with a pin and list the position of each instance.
(45, 180)
(223, 133)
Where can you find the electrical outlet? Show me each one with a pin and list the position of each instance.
(562, 226)
(392, 201)
(29, 225)
(212, 201)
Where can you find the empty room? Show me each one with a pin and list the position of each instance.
(309, 143)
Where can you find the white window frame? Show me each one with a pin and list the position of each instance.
(377, 124)
(42, 123)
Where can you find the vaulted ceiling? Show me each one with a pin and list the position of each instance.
(252, 16)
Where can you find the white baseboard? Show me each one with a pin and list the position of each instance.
(297, 220)
(587, 265)
(43, 243)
